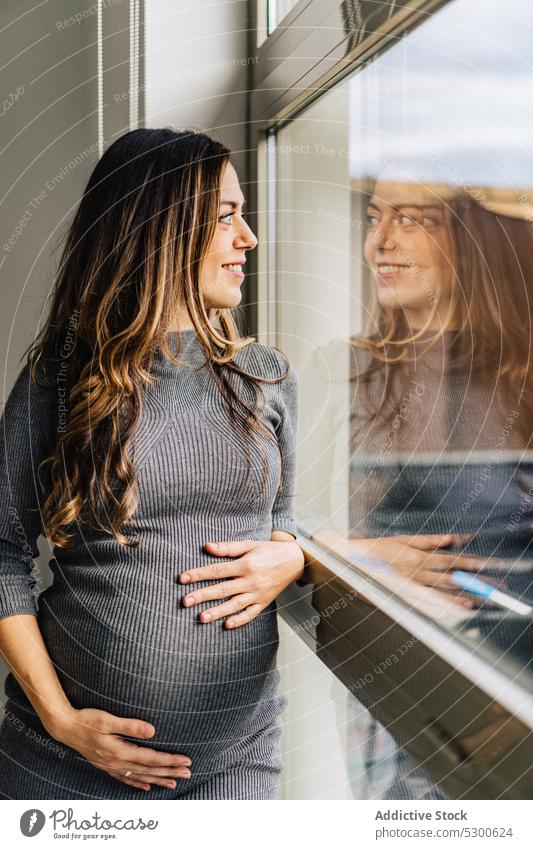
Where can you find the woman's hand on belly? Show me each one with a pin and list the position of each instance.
(95, 734)
(262, 570)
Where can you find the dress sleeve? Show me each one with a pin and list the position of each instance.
(25, 431)
(283, 508)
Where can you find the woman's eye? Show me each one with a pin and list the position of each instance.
(224, 218)
(411, 221)
(372, 222)
(407, 221)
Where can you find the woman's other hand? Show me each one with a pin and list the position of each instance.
(260, 572)
(419, 557)
(96, 734)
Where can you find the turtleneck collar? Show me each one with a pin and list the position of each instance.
(184, 343)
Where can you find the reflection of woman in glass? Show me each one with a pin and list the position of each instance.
(154, 447)
(441, 407)
(441, 403)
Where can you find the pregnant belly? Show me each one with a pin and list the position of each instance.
(203, 686)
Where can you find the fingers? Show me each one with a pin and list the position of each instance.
(142, 758)
(233, 549)
(112, 724)
(147, 767)
(454, 561)
(470, 564)
(131, 782)
(427, 541)
(228, 588)
(144, 780)
(235, 605)
(213, 572)
(159, 781)
(160, 772)
(461, 539)
(245, 616)
(441, 582)
(455, 597)
(216, 571)
(103, 722)
(154, 771)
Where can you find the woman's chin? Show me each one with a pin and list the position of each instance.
(233, 298)
(227, 302)
(396, 300)
(389, 300)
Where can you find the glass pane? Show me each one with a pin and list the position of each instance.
(333, 747)
(405, 243)
(277, 9)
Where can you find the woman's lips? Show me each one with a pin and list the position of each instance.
(386, 272)
(238, 275)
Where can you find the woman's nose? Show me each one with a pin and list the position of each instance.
(246, 237)
(383, 238)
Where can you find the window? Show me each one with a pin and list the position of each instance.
(404, 289)
(276, 11)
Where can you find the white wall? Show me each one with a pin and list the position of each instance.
(197, 66)
(48, 148)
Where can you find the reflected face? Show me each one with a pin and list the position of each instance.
(222, 268)
(407, 249)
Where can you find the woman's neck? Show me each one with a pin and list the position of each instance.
(417, 323)
(181, 323)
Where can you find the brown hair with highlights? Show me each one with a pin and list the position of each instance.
(132, 259)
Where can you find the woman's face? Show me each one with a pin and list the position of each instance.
(407, 249)
(222, 269)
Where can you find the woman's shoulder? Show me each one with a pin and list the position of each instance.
(264, 361)
(31, 403)
(31, 412)
(34, 381)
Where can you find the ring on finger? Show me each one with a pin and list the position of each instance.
(128, 773)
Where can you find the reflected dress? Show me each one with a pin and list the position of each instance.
(113, 619)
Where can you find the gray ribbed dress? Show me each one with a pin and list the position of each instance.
(113, 621)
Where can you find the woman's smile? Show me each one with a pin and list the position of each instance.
(235, 269)
(386, 271)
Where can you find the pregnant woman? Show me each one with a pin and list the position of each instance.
(154, 448)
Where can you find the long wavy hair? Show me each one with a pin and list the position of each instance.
(490, 310)
(132, 258)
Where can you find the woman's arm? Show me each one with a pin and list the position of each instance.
(286, 432)
(26, 436)
(24, 651)
(282, 536)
